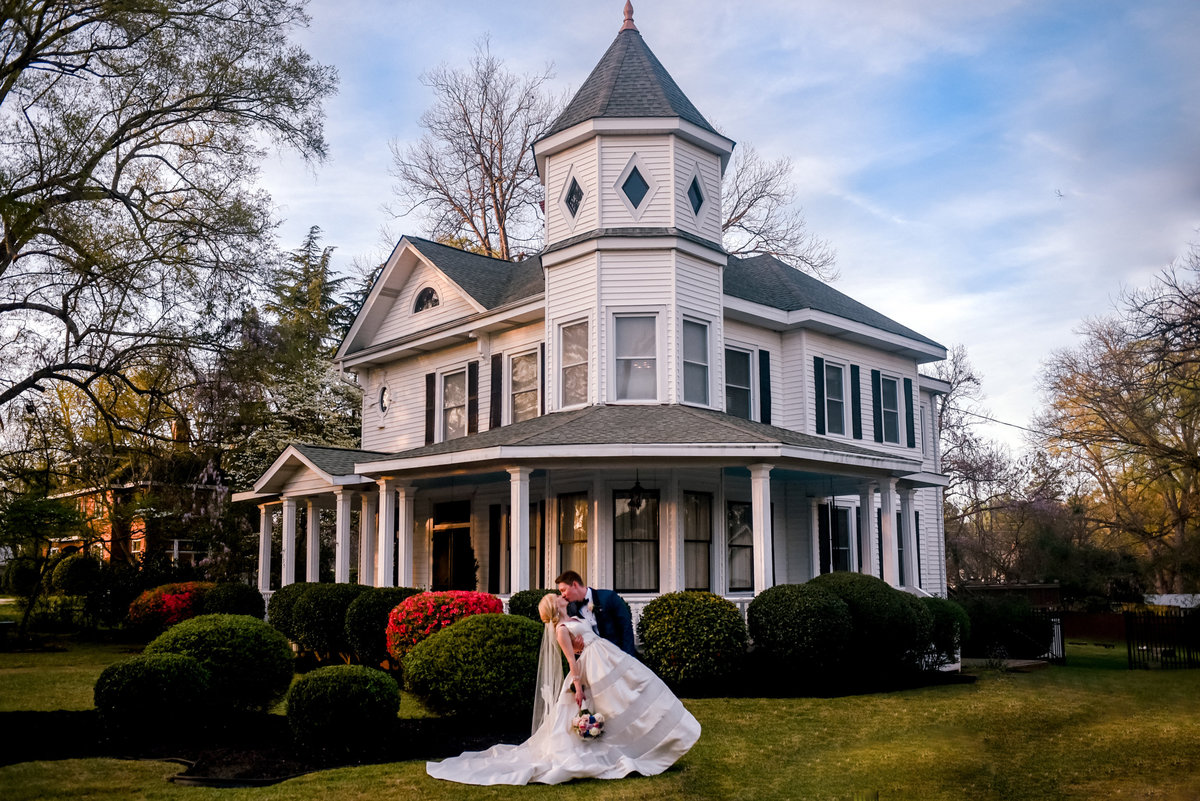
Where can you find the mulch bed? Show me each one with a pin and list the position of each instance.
(254, 750)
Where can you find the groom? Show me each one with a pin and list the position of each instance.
(604, 610)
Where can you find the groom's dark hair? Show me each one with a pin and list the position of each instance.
(570, 577)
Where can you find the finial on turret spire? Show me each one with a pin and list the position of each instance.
(628, 26)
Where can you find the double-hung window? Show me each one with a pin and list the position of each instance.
(574, 361)
(524, 386)
(636, 374)
(697, 540)
(695, 362)
(835, 399)
(454, 405)
(889, 397)
(737, 383)
(635, 542)
(573, 532)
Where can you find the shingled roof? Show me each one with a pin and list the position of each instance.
(335, 461)
(491, 282)
(767, 280)
(629, 81)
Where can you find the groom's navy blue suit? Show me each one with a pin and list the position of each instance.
(612, 618)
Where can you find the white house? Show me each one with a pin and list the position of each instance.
(632, 403)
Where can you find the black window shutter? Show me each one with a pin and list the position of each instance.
(819, 391)
(542, 378)
(473, 397)
(877, 404)
(855, 402)
(430, 411)
(764, 387)
(908, 413)
(496, 398)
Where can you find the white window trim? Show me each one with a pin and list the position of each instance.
(636, 161)
(899, 405)
(570, 220)
(659, 315)
(706, 205)
(442, 375)
(752, 352)
(709, 365)
(560, 385)
(507, 411)
(847, 424)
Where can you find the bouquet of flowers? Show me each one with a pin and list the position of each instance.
(587, 725)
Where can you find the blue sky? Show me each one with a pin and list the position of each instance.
(990, 173)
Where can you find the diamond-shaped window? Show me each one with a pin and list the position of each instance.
(695, 195)
(574, 197)
(635, 187)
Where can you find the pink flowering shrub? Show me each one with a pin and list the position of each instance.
(162, 607)
(418, 616)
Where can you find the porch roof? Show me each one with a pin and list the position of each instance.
(333, 466)
(625, 432)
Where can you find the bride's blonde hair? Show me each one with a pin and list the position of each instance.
(548, 609)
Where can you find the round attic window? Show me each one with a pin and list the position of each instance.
(426, 299)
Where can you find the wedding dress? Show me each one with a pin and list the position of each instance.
(646, 728)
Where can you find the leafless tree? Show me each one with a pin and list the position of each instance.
(472, 172)
(761, 216)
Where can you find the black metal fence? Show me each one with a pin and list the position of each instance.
(1166, 639)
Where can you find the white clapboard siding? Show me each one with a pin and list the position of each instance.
(792, 411)
(687, 158)
(571, 296)
(629, 282)
(580, 162)
(654, 156)
(304, 482)
(400, 320)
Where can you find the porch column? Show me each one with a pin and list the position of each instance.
(264, 547)
(814, 525)
(887, 528)
(760, 510)
(289, 542)
(312, 551)
(341, 542)
(385, 551)
(518, 528)
(908, 536)
(366, 538)
(866, 528)
(404, 513)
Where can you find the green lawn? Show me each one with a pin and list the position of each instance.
(1089, 730)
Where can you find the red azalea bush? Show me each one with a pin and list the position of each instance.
(418, 616)
(162, 607)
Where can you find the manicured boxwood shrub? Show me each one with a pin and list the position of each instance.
(695, 641)
(342, 709)
(525, 603)
(483, 666)
(421, 615)
(76, 575)
(249, 662)
(950, 629)
(891, 627)
(279, 608)
(1005, 627)
(319, 617)
(234, 598)
(163, 606)
(367, 620)
(800, 627)
(151, 690)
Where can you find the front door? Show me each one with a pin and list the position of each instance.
(454, 565)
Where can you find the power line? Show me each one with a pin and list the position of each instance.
(991, 419)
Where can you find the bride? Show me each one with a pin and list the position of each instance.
(646, 729)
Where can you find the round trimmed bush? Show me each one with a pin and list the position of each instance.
(283, 601)
(421, 615)
(249, 662)
(319, 617)
(342, 708)
(163, 606)
(151, 690)
(483, 665)
(693, 640)
(367, 620)
(234, 598)
(891, 627)
(950, 629)
(76, 575)
(801, 627)
(21, 576)
(525, 603)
